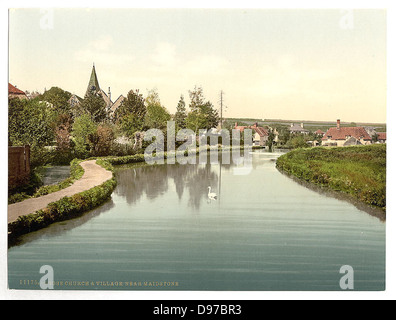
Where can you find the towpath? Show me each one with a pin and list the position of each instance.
(94, 175)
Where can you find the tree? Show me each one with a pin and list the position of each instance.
(58, 98)
(181, 114)
(31, 122)
(298, 141)
(133, 104)
(202, 114)
(129, 117)
(62, 133)
(83, 128)
(271, 138)
(284, 134)
(102, 140)
(196, 98)
(375, 137)
(94, 105)
(156, 116)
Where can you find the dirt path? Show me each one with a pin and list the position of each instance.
(94, 175)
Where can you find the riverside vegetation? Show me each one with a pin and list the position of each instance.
(359, 171)
(65, 208)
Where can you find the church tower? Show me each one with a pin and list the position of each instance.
(93, 85)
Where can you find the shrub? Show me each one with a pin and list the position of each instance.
(63, 209)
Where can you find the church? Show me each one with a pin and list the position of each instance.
(93, 86)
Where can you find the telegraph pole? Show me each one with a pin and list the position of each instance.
(221, 109)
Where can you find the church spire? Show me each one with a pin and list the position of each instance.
(93, 84)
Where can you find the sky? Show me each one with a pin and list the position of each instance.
(297, 64)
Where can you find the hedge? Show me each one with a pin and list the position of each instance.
(65, 208)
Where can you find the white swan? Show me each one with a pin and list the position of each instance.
(211, 195)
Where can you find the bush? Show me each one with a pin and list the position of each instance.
(63, 209)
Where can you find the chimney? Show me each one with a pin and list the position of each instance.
(236, 124)
(302, 125)
(109, 94)
(338, 124)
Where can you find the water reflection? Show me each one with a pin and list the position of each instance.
(61, 228)
(191, 178)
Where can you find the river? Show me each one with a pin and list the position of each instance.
(160, 231)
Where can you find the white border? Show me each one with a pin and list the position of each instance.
(189, 295)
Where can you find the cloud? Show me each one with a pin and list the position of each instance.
(102, 51)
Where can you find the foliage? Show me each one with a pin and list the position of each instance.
(202, 114)
(64, 146)
(271, 138)
(129, 117)
(181, 114)
(102, 140)
(359, 170)
(156, 116)
(297, 141)
(58, 98)
(94, 105)
(63, 209)
(83, 128)
(30, 122)
(36, 189)
(133, 104)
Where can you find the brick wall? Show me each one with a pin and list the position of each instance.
(18, 166)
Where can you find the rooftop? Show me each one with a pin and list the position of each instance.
(344, 133)
(14, 90)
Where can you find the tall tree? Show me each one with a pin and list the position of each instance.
(202, 114)
(156, 115)
(58, 98)
(31, 122)
(83, 128)
(133, 104)
(129, 117)
(181, 114)
(94, 105)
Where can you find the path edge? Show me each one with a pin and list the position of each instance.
(66, 208)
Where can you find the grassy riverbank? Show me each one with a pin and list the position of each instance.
(359, 171)
(64, 209)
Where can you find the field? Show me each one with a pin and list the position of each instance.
(308, 124)
(359, 171)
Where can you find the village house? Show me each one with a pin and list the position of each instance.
(346, 136)
(260, 134)
(381, 136)
(14, 92)
(319, 132)
(295, 128)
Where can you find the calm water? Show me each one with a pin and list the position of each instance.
(160, 231)
(55, 174)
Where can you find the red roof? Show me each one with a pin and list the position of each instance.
(260, 130)
(319, 131)
(344, 133)
(381, 135)
(14, 90)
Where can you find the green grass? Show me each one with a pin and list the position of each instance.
(359, 171)
(65, 208)
(76, 172)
